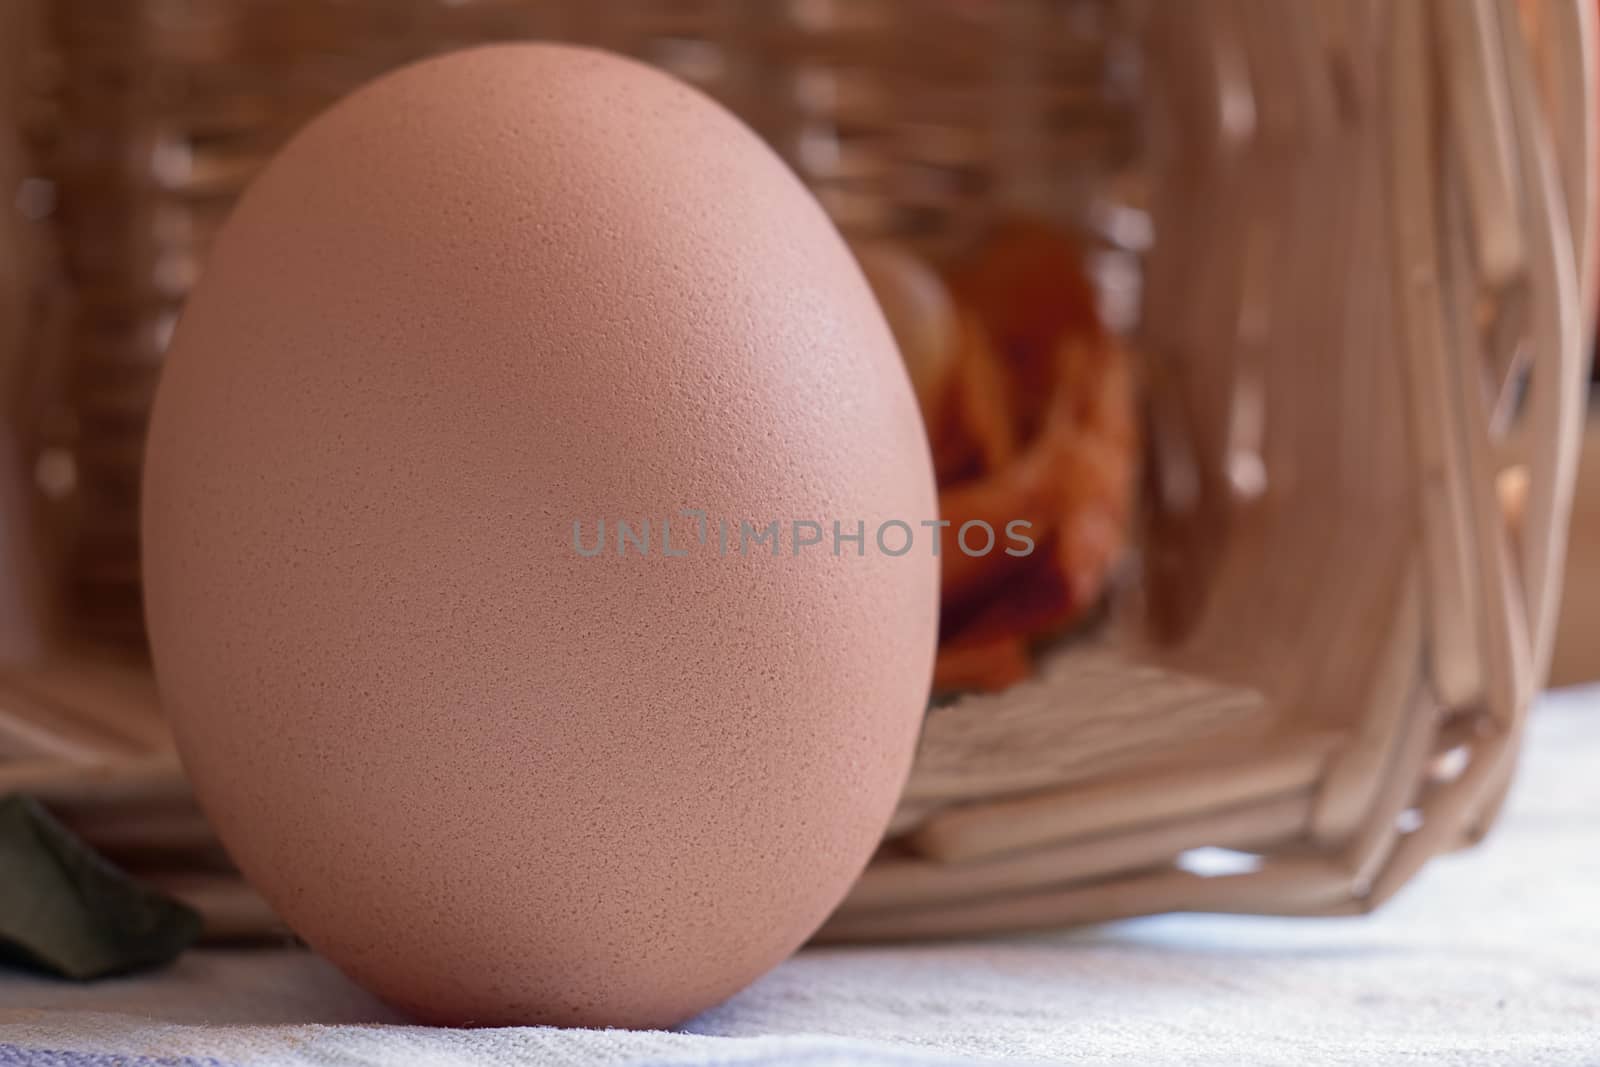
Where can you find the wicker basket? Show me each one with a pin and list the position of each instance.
(1361, 229)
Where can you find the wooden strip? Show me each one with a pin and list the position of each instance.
(1567, 60)
(1279, 887)
(33, 730)
(1507, 670)
(109, 697)
(1453, 808)
(1484, 142)
(1062, 907)
(898, 882)
(105, 782)
(1556, 389)
(1480, 123)
(1401, 781)
(29, 555)
(1090, 713)
(230, 909)
(1451, 589)
(1297, 885)
(981, 830)
(1356, 775)
(1495, 796)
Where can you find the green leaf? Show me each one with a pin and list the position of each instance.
(66, 910)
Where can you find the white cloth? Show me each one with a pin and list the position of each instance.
(1492, 957)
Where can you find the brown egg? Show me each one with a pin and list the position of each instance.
(472, 311)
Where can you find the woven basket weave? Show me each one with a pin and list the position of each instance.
(1360, 230)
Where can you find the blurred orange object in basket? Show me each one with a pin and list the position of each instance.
(1029, 403)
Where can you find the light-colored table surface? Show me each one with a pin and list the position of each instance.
(1492, 957)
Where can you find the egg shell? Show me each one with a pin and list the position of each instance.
(480, 300)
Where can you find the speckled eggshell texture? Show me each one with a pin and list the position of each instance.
(494, 780)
